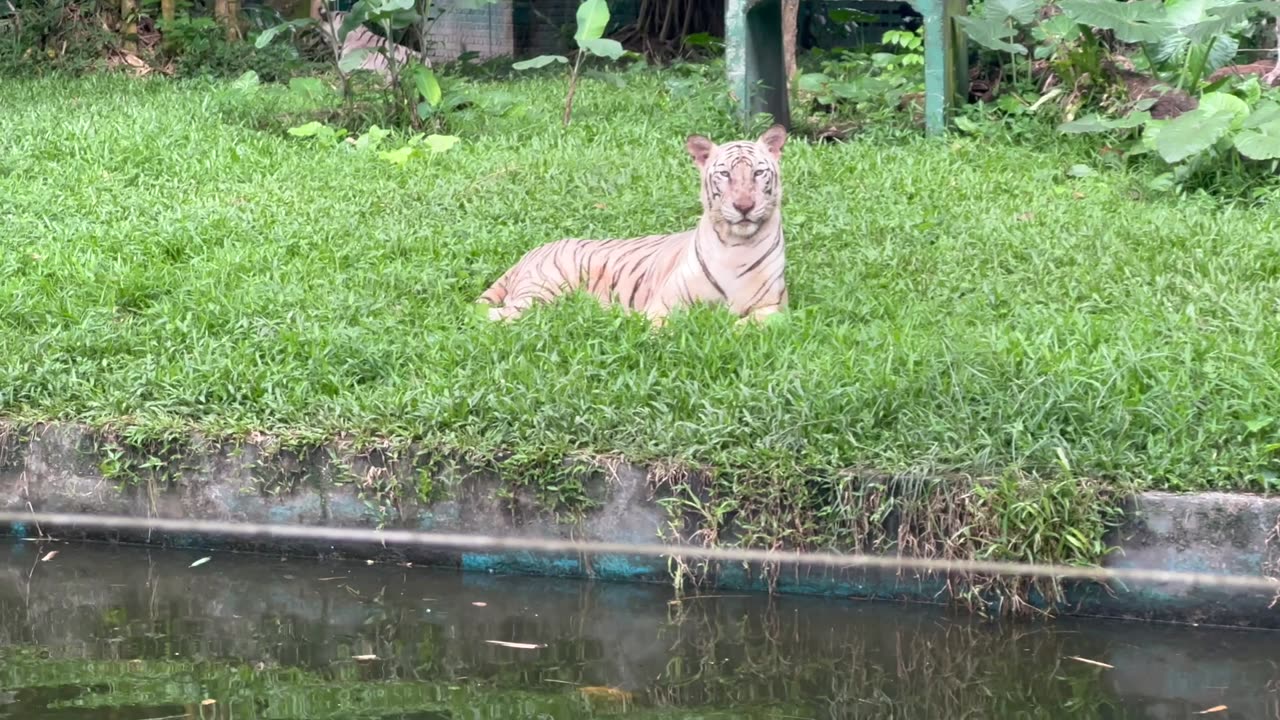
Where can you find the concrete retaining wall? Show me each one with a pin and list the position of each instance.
(66, 468)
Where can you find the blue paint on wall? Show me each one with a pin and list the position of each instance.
(522, 563)
(622, 567)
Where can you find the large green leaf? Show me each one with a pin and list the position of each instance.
(1242, 10)
(354, 19)
(353, 61)
(427, 84)
(812, 82)
(1221, 53)
(990, 34)
(1090, 124)
(248, 82)
(1020, 11)
(381, 11)
(396, 19)
(399, 156)
(1058, 29)
(1171, 48)
(593, 16)
(604, 47)
(1216, 52)
(1265, 113)
(270, 33)
(1199, 43)
(1261, 142)
(441, 143)
(1220, 103)
(538, 62)
(1181, 13)
(1192, 133)
(1097, 123)
(311, 129)
(1134, 21)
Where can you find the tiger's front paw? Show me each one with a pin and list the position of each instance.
(505, 313)
(760, 316)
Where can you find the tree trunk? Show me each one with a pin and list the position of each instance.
(129, 24)
(790, 20)
(227, 13)
(168, 10)
(233, 21)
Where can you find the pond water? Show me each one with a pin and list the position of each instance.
(99, 633)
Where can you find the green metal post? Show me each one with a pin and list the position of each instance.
(757, 71)
(935, 75)
(753, 58)
(957, 51)
(945, 61)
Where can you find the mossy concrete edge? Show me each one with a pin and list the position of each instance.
(68, 468)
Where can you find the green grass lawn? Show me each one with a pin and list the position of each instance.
(956, 305)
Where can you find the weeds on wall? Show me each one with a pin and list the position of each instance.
(1057, 518)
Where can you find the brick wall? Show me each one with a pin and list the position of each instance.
(488, 31)
(514, 28)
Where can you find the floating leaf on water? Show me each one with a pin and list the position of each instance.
(1214, 709)
(516, 645)
(1090, 662)
(200, 562)
(52, 554)
(364, 658)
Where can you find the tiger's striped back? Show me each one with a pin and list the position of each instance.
(734, 256)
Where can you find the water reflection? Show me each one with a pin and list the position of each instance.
(121, 633)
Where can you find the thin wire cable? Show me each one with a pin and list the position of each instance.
(457, 541)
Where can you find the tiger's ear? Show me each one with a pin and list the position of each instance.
(773, 138)
(700, 148)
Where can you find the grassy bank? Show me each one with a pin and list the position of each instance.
(960, 308)
(957, 305)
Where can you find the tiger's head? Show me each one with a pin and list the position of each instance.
(741, 181)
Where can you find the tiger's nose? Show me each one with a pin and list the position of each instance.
(743, 206)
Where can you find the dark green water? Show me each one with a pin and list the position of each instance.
(99, 633)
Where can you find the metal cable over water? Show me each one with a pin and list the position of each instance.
(458, 541)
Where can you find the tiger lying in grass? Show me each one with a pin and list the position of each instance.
(733, 257)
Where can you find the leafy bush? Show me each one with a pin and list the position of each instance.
(412, 94)
(857, 83)
(1221, 132)
(199, 47)
(1177, 42)
(66, 36)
